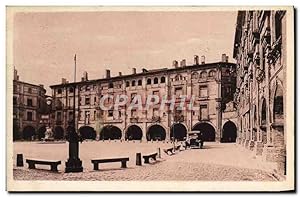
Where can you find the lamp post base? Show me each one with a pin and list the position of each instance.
(74, 165)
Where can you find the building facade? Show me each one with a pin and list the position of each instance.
(29, 117)
(213, 86)
(260, 52)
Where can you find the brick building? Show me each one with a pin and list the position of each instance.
(212, 84)
(29, 105)
(260, 52)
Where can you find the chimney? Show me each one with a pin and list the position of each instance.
(144, 70)
(183, 63)
(227, 59)
(203, 59)
(175, 64)
(134, 71)
(223, 57)
(63, 80)
(107, 73)
(120, 73)
(85, 76)
(196, 60)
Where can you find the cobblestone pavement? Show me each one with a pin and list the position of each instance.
(217, 162)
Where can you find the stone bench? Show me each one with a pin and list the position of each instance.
(33, 162)
(147, 157)
(123, 161)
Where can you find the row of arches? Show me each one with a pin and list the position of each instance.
(155, 132)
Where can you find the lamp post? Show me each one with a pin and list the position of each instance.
(74, 164)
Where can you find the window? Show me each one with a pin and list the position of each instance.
(59, 91)
(29, 90)
(29, 116)
(110, 85)
(162, 80)
(133, 83)
(203, 112)
(87, 100)
(87, 88)
(278, 104)
(212, 73)
(178, 91)
(203, 74)
(155, 80)
(148, 81)
(178, 77)
(134, 113)
(58, 116)
(195, 75)
(110, 113)
(139, 82)
(15, 101)
(127, 83)
(71, 90)
(203, 91)
(29, 102)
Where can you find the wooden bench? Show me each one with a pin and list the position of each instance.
(122, 160)
(53, 164)
(169, 150)
(147, 157)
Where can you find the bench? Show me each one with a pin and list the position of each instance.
(53, 164)
(122, 160)
(169, 150)
(147, 157)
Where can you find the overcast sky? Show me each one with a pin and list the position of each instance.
(45, 43)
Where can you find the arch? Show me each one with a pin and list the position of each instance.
(207, 131)
(133, 132)
(87, 132)
(195, 75)
(155, 81)
(178, 77)
(162, 79)
(139, 82)
(133, 83)
(28, 132)
(156, 132)
(127, 83)
(41, 132)
(178, 131)
(263, 116)
(148, 81)
(229, 132)
(58, 133)
(278, 104)
(110, 132)
(203, 74)
(212, 73)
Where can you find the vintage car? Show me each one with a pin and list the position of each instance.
(193, 140)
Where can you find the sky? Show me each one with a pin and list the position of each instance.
(44, 43)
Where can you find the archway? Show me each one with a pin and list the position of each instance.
(58, 133)
(207, 131)
(156, 132)
(41, 132)
(28, 132)
(229, 132)
(87, 132)
(134, 132)
(178, 131)
(110, 132)
(278, 105)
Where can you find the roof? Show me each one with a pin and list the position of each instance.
(30, 84)
(150, 72)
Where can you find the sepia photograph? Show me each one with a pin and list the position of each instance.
(150, 98)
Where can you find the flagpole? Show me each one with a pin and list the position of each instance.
(75, 68)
